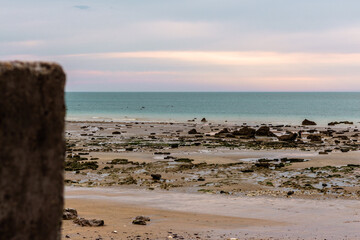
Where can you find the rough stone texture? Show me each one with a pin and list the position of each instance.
(32, 147)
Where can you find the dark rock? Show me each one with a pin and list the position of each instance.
(289, 193)
(89, 222)
(344, 149)
(245, 132)
(193, 131)
(203, 120)
(314, 138)
(342, 122)
(225, 130)
(116, 132)
(69, 214)
(156, 176)
(264, 131)
(292, 160)
(32, 112)
(307, 122)
(140, 220)
(288, 137)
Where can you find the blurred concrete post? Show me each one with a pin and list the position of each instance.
(32, 149)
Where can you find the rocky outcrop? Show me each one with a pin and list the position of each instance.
(193, 131)
(342, 122)
(314, 138)
(291, 137)
(245, 132)
(264, 131)
(307, 122)
(32, 112)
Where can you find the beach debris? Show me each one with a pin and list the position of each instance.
(307, 122)
(156, 176)
(89, 222)
(140, 220)
(193, 131)
(69, 214)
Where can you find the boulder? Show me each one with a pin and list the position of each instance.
(225, 130)
(89, 222)
(288, 137)
(307, 122)
(245, 132)
(69, 214)
(203, 120)
(193, 131)
(314, 138)
(156, 176)
(264, 131)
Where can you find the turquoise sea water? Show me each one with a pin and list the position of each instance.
(221, 106)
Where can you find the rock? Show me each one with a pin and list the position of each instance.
(245, 132)
(140, 220)
(288, 137)
(314, 138)
(203, 120)
(116, 132)
(193, 131)
(69, 214)
(225, 130)
(156, 176)
(289, 193)
(32, 112)
(342, 122)
(89, 222)
(307, 122)
(264, 131)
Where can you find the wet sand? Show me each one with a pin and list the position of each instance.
(219, 217)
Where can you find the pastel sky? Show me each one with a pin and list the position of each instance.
(189, 45)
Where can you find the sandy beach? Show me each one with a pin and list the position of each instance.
(203, 180)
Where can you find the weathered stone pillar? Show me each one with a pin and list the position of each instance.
(32, 149)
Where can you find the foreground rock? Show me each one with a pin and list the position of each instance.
(69, 214)
(307, 122)
(89, 222)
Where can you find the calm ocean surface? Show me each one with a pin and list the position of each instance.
(234, 107)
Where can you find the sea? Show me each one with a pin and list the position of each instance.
(234, 107)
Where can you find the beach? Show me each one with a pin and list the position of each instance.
(199, 179)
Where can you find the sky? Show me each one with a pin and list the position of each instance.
(189, 45)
